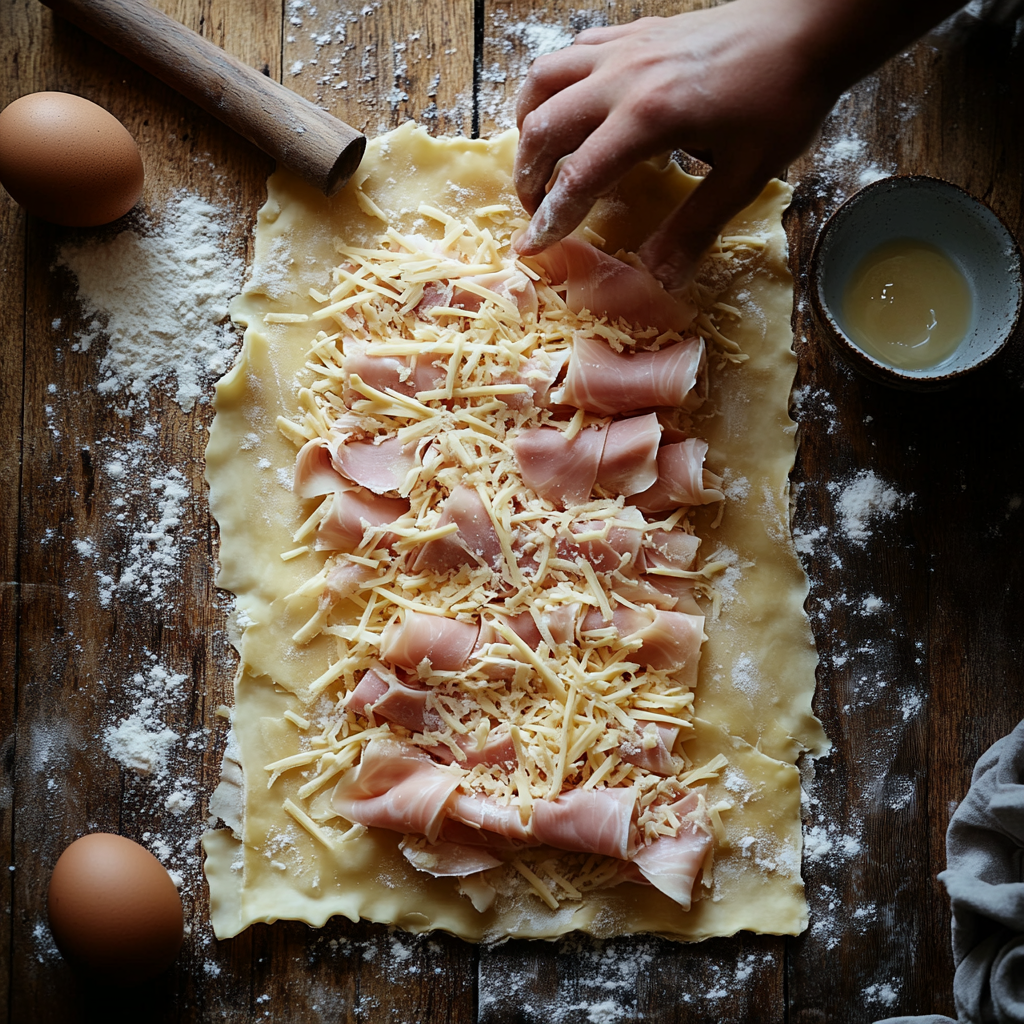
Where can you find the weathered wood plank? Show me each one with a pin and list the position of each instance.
(913, 691)
(380, 64)
(77, 652)
(12, 347)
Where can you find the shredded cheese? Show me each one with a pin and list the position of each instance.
(578, 701)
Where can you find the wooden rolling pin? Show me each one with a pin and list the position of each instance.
(314, 144)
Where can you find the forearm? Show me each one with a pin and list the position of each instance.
(845, 40)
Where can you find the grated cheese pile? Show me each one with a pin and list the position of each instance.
(570, 706)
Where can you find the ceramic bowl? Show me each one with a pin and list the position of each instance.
(945, 216)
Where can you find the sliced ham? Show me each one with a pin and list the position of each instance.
(370, 688)
(448, 860)
(657, 758)
(488, 815)
(475, 543)
(629, 462)
(554, 626)
(445, 644)
(670, 640)
(314, 473)
(406, 376)
(608, 383)
(643, 591)
(395, 787)
(379, 467)
(510, 284)
(606, 555)
(560, 471)
(671, 863)
(351, 513)
(671, 550)
(587, 821)
(674, 549)
(682, 479)
(611, 287)
(406, 705)
(344, 581)
(498, 748)
(539, 374)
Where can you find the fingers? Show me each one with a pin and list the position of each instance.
(551, 74)
(674, 250)
(592, 170)
(552, 131)
(606, 33)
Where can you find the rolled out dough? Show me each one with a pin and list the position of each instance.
(753, 701)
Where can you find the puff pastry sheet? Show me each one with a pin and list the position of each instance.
(753, 701)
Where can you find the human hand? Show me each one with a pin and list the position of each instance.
(745, 86)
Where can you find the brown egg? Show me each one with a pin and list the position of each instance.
(114, 909)
(67, 160)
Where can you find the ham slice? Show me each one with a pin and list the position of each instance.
(587, 820)
(670, 640)
(344, 581)
(351, 513)
(406, 706)
(383, 372)
(479, 812)
(674, 549)
(682, 479)
(671, 863)
(379, 467)
(510, 284)
(629, 462)
(314, 473)
(657, 759)
(498, 748)
(671, 550)
(606, 555)
(560, 471)
(445, 644)
(555, 626)
(448, 860)
(611, 287)
(608, 383)
(622, 457)
(395, 787)
(369, 690)
(642, 591)
(476, 541)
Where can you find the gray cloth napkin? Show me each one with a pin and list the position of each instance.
(985, 881)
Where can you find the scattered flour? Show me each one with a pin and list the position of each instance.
(153, 505)
(863, 500)
(159, 293)
(142, 741)
(881, 994)
(512, 46)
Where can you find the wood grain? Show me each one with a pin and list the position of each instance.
(912, 688)
(12, 365)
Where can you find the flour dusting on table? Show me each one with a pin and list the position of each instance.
(159, 294)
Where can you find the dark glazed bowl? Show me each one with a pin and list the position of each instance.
(947, 217)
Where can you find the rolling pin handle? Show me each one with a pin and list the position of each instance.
(317, 146)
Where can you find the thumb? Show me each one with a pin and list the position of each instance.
(673, 251)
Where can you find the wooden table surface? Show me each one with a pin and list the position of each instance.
(913, 686)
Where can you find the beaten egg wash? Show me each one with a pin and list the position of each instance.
(907, 304)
